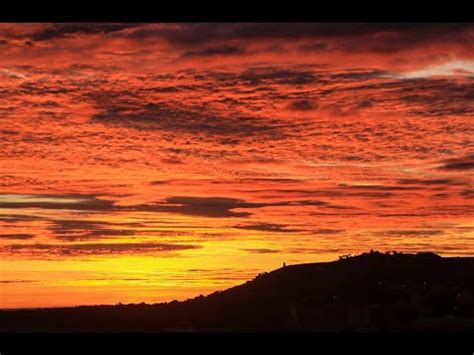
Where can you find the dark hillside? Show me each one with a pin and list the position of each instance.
(371, 292)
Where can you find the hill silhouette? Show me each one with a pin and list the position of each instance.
(371, 292)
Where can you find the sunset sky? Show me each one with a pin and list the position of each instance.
(152, 162)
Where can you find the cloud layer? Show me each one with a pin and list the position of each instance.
(229, 148)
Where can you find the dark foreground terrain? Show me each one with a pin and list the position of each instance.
(372, 292)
